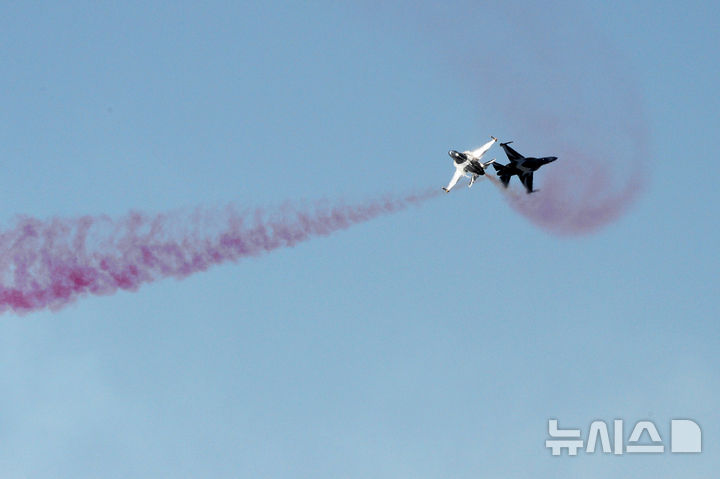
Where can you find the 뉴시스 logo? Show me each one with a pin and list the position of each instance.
(685, 437)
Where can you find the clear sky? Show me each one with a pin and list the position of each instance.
(432, 343)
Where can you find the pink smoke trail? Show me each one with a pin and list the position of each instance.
(590, 115)
(576, 199)
(48, 264)
(563, 89)
(602, 151)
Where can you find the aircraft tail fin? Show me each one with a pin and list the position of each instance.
(503, 173)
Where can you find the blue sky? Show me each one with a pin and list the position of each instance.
(435, 342)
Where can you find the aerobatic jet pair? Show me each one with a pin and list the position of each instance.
(468, 164)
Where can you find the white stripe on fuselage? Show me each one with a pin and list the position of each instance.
(520, 165)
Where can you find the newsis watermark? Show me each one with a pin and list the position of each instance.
(685, 437)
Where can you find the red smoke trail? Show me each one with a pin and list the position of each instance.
(48, 264)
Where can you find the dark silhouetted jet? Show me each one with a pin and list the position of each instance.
(521, 166)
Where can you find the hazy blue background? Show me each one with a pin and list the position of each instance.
(429, 344)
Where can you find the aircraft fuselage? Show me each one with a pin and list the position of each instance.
(528, 165)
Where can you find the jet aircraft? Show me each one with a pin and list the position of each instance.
(469, 162)
(521, 166)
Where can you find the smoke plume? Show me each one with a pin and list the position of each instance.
(48, 264)
(562, 89)
(573, 200)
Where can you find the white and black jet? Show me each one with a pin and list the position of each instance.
(521, 166)
(468, 164)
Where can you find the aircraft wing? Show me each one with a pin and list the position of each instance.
(479, 152)
(454, 180)
(511, 154)
(527, 181)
